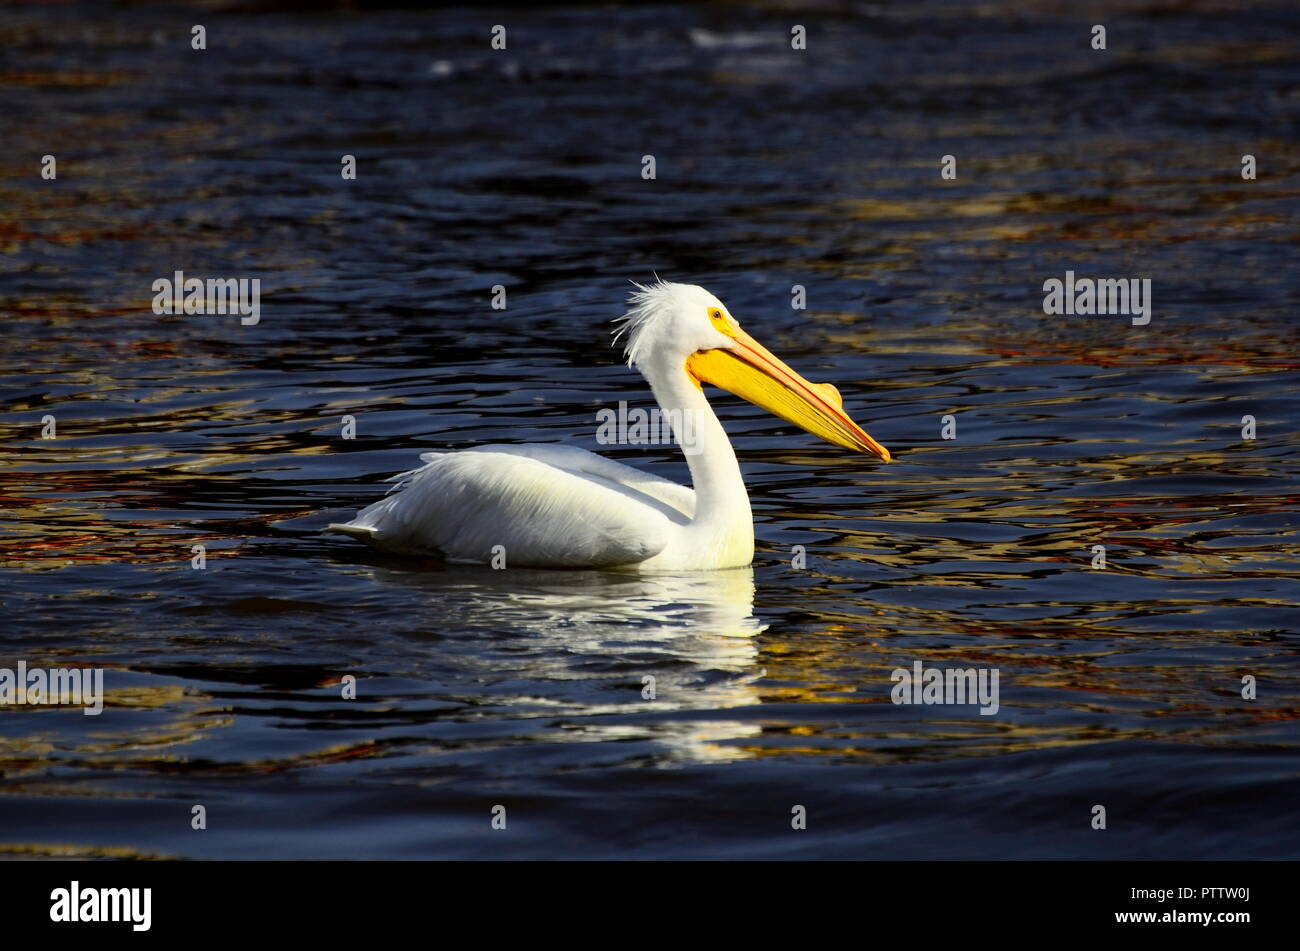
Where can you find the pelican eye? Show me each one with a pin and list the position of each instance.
(720, 322)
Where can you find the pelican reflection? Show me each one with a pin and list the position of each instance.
(615, 656)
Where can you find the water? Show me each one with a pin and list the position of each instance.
(1120, 687)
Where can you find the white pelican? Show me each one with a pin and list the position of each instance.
(553, 506)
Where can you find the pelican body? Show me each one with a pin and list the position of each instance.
(556, 506)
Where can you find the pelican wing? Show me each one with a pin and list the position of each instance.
(680, 498)
(553, 506)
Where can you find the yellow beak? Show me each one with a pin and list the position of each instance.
(749, 370)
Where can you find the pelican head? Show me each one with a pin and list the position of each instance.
(683, 328)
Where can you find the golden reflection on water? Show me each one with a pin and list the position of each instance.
(67, 853)
(57, 742)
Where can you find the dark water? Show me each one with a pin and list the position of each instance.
(1119, 687)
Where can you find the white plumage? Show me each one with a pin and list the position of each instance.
(546, 506)
(564, 507)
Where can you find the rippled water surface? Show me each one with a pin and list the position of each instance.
(775, 167)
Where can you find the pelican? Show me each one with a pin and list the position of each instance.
(555, 506)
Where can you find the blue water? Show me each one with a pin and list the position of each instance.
(476, 688)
